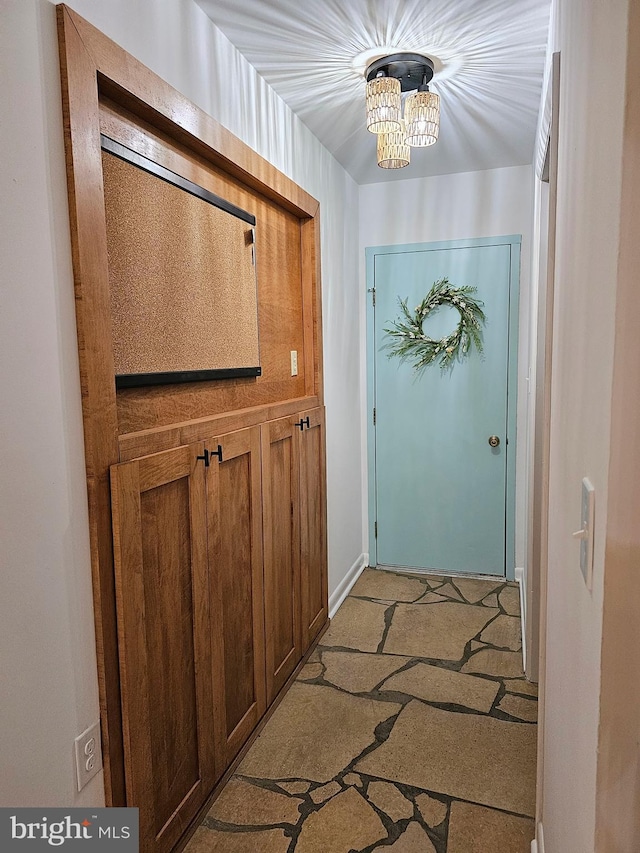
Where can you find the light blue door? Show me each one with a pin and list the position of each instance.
(442, 495)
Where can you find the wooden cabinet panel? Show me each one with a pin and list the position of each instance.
(221, 587)
(165, 661)
(280, 498)
(236, 588)
(313, 524)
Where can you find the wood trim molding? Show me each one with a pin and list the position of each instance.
(93, 68)
(539, 568)
(129, 83)
(164, 438)
(89, 253)
(617, 794)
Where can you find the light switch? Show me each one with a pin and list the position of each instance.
(586, 532)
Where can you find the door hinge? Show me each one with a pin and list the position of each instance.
(372, 291)
(375, 529)
(374, 415)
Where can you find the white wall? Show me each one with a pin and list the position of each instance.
(491, 203)
(49, 685)
(591, 36)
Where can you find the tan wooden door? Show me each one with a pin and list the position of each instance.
(159, 525)
(236, 587)
(313, 524)
(281, 522)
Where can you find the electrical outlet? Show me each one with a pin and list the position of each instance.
(294, 362)
(88, 755)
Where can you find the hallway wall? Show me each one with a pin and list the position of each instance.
(46, 617)
(591, 36)
(491, 203)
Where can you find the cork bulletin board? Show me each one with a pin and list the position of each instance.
(182, 276)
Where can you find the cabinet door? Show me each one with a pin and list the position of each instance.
(236, 587)
(313, 525)
(159, 525)
(280, 497)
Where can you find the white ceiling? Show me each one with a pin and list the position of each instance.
(489, 66)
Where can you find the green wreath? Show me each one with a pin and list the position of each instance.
(409, 342)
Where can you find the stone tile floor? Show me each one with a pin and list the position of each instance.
(411, 729)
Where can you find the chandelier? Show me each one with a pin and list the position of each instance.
(387, 79)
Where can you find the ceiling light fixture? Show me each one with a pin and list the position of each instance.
(387, 78)
(393, 151)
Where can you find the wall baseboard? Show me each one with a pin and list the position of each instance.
(519, 575)
(537, 845)
(344, 587)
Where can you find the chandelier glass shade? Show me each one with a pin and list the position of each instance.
(422, 119)
(387, 79)
(393, 151)
(384, 105)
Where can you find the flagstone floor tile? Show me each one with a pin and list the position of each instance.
(519, 707)
(214, 841)
(413, 840)
(359, 673)
(495, 662)
(475, 590)
(527, 688)
(315, 733)
(411, 729)
(437, 631)
(345, 823)
(389, 800)
(434, 684)
(359, 624)
(249, 805)
(468, 756)
(473, 829)
(509, 600)
(504, 633)
(378, 583)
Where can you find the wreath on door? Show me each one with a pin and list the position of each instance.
(407, 338)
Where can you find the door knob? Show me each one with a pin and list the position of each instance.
(494, 441)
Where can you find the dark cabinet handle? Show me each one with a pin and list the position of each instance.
(217, 453)
(300, 424)
(209, 454)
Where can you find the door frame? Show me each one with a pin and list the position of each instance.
(514, 242)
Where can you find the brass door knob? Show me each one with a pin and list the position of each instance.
(494, 441)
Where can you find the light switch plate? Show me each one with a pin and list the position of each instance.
(587, 522)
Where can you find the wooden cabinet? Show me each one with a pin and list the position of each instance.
(221, 588)
(313, 524)
(281, 531)
(234, 521)
(160, 544)
(295, 550)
